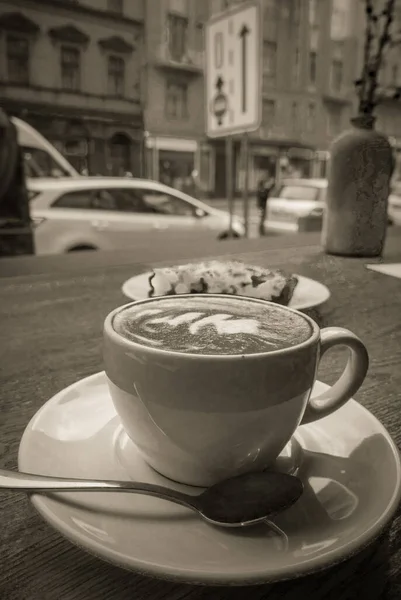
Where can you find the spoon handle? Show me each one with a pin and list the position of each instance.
(29, 482)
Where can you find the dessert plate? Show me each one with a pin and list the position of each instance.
(307, 294)
(348, 463)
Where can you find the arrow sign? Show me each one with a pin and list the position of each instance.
(244, 32)
(233, 53)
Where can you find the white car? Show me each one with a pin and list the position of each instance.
(41, 158)
(394, 204)
(108, 213)
(295, 199)
(299, 198)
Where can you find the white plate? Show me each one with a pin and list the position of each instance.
(307, 294)
(348, 463)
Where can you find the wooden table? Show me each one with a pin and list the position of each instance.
(52, 310)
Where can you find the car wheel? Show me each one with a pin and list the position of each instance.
(81, 248)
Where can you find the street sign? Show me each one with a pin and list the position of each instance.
(233, 71)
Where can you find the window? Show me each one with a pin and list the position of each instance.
(176, 169)
(17, 50)
(334, 121)
(268, 114)
(70, 62)
(80, 199)
(103, 200)
(299, 192)
(88, 200)
(199, 37)
(269, 60)
(296, 11)
(337, 67)
(165, 204)
(297, 66)
(177, 100)
(295, 115)
(340, 24)
(312, 67)
(116, 76)
(38, 163)
(270, 19)
(311, 120)
(177, 36)
(116, 6)
(313, 16)
(139, 200)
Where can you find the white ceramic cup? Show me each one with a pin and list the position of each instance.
(199, 419)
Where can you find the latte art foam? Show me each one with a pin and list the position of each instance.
(211, 325)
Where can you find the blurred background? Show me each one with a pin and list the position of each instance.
(117, 87)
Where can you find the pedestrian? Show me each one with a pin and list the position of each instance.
(265, 187)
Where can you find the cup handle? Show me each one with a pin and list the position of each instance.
(349, 382)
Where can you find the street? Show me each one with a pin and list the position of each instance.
(222, 204)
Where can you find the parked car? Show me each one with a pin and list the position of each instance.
(300, 199)
(394, 204)
(294, 200)
(91, 213)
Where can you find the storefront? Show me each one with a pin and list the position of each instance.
(183, 164)
(94, 143)
(266, 159)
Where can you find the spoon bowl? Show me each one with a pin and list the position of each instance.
(236, 502)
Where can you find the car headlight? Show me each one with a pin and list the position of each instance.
(238, 226)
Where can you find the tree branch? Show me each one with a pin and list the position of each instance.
(366, 53)
(374, 70)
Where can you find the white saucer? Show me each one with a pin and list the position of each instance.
(348, 463)
(307, 294)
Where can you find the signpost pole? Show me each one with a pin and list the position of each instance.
(245, 190)
(233, 87)
(229, 181)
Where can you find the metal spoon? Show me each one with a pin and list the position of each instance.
(239, 501)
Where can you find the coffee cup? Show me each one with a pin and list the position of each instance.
(210, 386)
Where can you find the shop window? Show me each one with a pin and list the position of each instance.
(176, 170)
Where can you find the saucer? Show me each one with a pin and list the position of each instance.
(307, 294)
(348, 463)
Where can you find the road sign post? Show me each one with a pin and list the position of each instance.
(233, 83)
(245, 189)
(230, 181)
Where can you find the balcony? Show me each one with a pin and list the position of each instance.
(191, 61)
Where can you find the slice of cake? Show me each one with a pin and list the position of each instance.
(223, 277)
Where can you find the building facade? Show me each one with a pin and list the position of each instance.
(308, 67)
(118, 85)
(176, 150)
(312, 54)
(73, 70)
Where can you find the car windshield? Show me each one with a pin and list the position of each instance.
(38, 163)
(299, 192)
